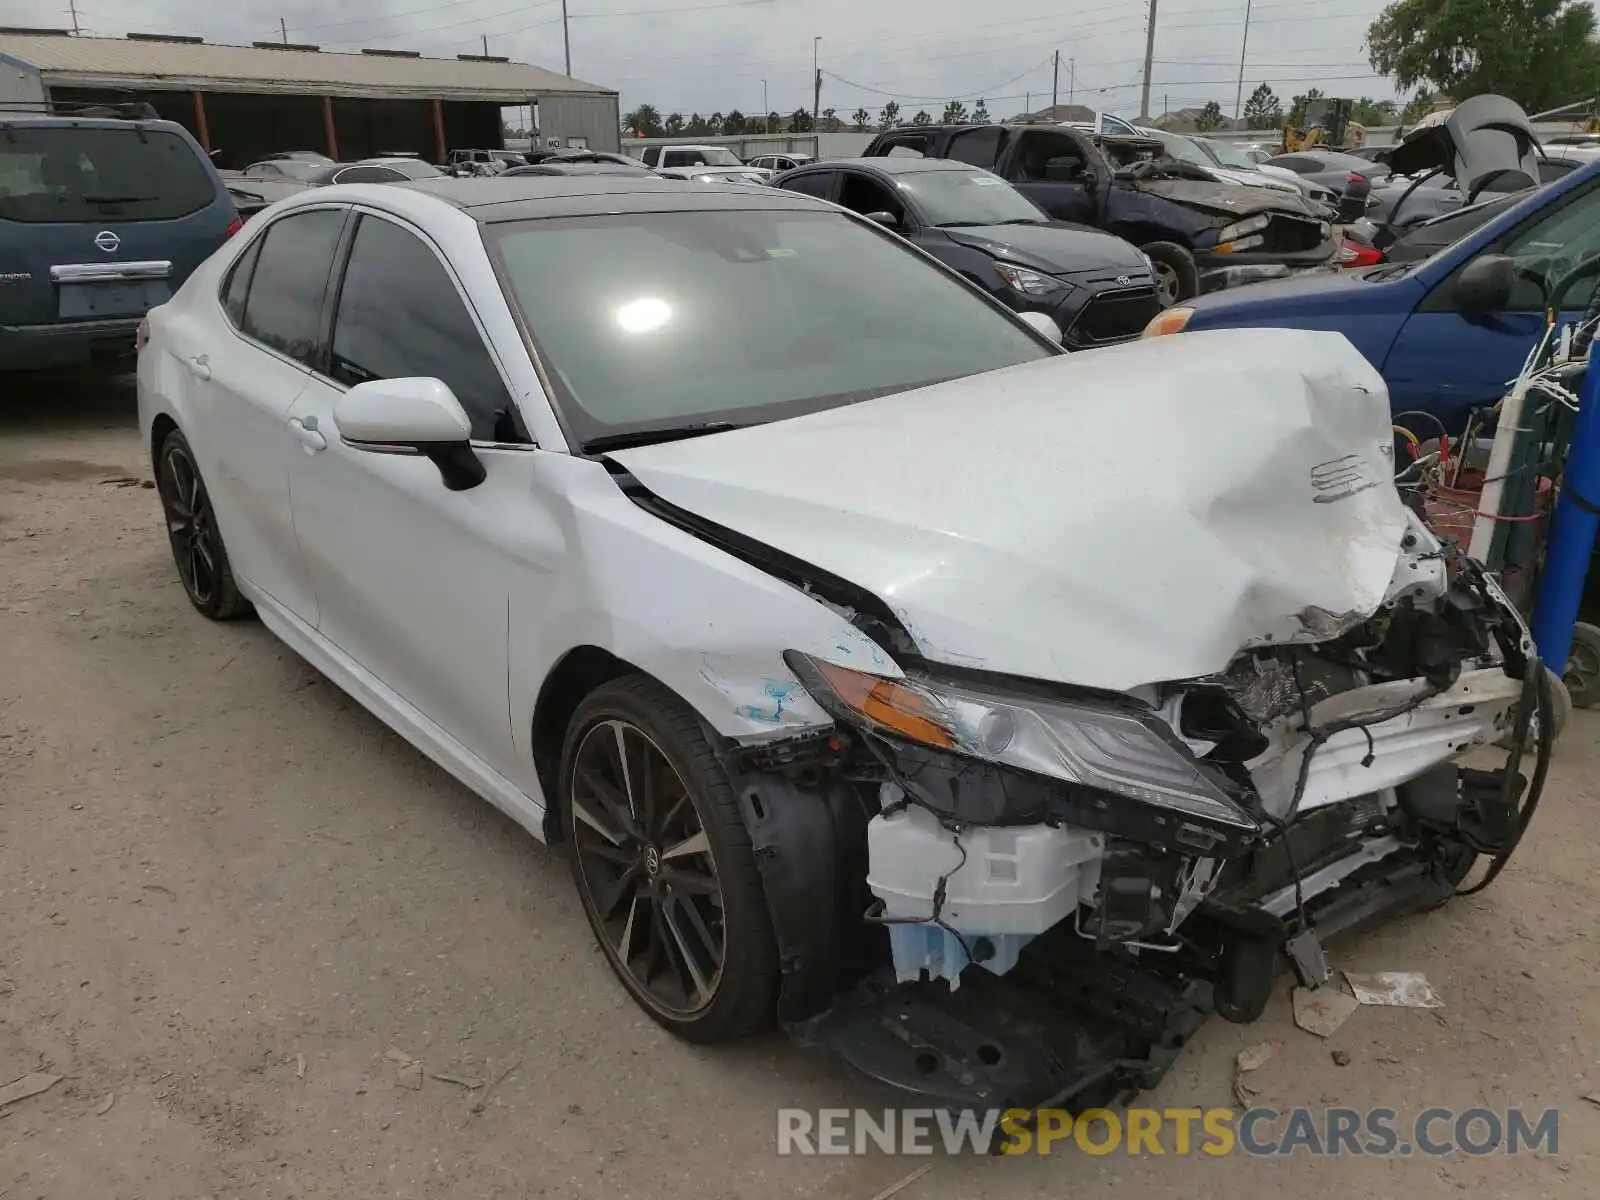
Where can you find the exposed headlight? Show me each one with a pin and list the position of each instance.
(1173, 320)
(1030, 283)
(1244, 228)
(1149, 263)
(1097, 746)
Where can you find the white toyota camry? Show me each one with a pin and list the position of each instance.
(881, 668)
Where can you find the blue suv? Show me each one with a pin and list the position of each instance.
(1446, 337)
(101, 219)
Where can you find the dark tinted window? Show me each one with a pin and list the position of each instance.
(284, 309)
(368, 175)
(1295, 163)
(401, 316)
(980, 147)
(817, 183)
(62, 173)
(238, 283)
(652, 155)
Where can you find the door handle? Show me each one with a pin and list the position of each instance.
(305, 432)
(199, 366)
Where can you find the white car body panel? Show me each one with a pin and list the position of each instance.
(1160, 525)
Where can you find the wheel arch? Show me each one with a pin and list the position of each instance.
(160, 427)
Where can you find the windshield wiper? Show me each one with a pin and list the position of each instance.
(646, 437)
(115, 199)
(959, 224)
(1022, 221)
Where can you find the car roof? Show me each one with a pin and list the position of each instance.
(900, 165)
(32, 120)
(529, 197)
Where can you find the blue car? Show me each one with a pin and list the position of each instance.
(1447, 333)
(102, 217)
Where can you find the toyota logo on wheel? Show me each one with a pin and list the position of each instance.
(107, 241)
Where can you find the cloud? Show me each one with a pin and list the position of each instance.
(717, 55)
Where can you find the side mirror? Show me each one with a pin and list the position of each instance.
(1042, 323)
(411, 416)
(887, 219)
(1484, 285)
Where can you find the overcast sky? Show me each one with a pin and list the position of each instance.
(713, 55)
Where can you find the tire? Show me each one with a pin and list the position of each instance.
(1177, 278)
(660, 917)
(197, 547)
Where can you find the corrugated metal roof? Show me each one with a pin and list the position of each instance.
(139, 63)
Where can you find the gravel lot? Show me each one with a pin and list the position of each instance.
(227, 894)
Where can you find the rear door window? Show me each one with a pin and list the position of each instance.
(813, 183)
(400, 316)
(283, 309)
(88, 174)
(980, 147)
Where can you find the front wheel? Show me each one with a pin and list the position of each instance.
(663, 863)
(1177, 277)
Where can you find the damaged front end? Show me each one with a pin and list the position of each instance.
(1035, 894)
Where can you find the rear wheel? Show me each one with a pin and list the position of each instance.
(663, 863)
(197, 548)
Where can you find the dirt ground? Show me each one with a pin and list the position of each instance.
(227, 894)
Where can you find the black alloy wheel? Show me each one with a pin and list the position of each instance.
(654, 833)
(197, 547)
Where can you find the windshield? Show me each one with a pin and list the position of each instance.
(414, 168)
(719, 156)
(666, 319)
(1179, 147)
(1228, 155)
(968, 198)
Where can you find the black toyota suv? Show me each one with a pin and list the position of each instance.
(102, 217)
(1200, 233)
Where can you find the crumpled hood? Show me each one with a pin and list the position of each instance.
(1055, 249)
(1136, 514)
(1224, 199)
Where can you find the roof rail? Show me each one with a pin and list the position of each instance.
(482, 58)
(35, 31)
(126, 110)
(286, 46)
(187, 39)
(394, 53)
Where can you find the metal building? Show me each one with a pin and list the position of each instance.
(246, 101)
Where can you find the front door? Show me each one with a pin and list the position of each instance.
(1056, 171)
(1446, 362)
(414, 581)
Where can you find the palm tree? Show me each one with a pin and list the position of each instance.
(645, 121)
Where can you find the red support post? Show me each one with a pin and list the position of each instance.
(438, 131)
(328, 130)
(201, 129)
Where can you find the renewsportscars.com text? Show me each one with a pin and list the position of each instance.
(1261, 1132)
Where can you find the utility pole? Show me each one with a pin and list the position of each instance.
(766, 113)
(1055, 81)
(1238, 95)
(1072, 80)
(566, 40)
(72, 7)
(283, 30)
(486, 45)
(1149, 61)
(816, 90)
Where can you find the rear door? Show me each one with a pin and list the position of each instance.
(101, 221)
(1446, 362)
(1056, 171)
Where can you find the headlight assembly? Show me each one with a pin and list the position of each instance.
(1029, 283)
(1098, 746)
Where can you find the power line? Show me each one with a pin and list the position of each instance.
(977, 94)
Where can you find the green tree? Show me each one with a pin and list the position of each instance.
(830, 120)
(980, 112)
(774, 122)
(1297, 106)
(954, 113)
(922, 118)
(673, 124)
(1367, 111)
(799, 121)
(644, 121)
(696, 126)
(891, 115)
(733, 123)
(862, 119)
(714, 124)
(1263, 110)
(1541, 53)
(1210, 117)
